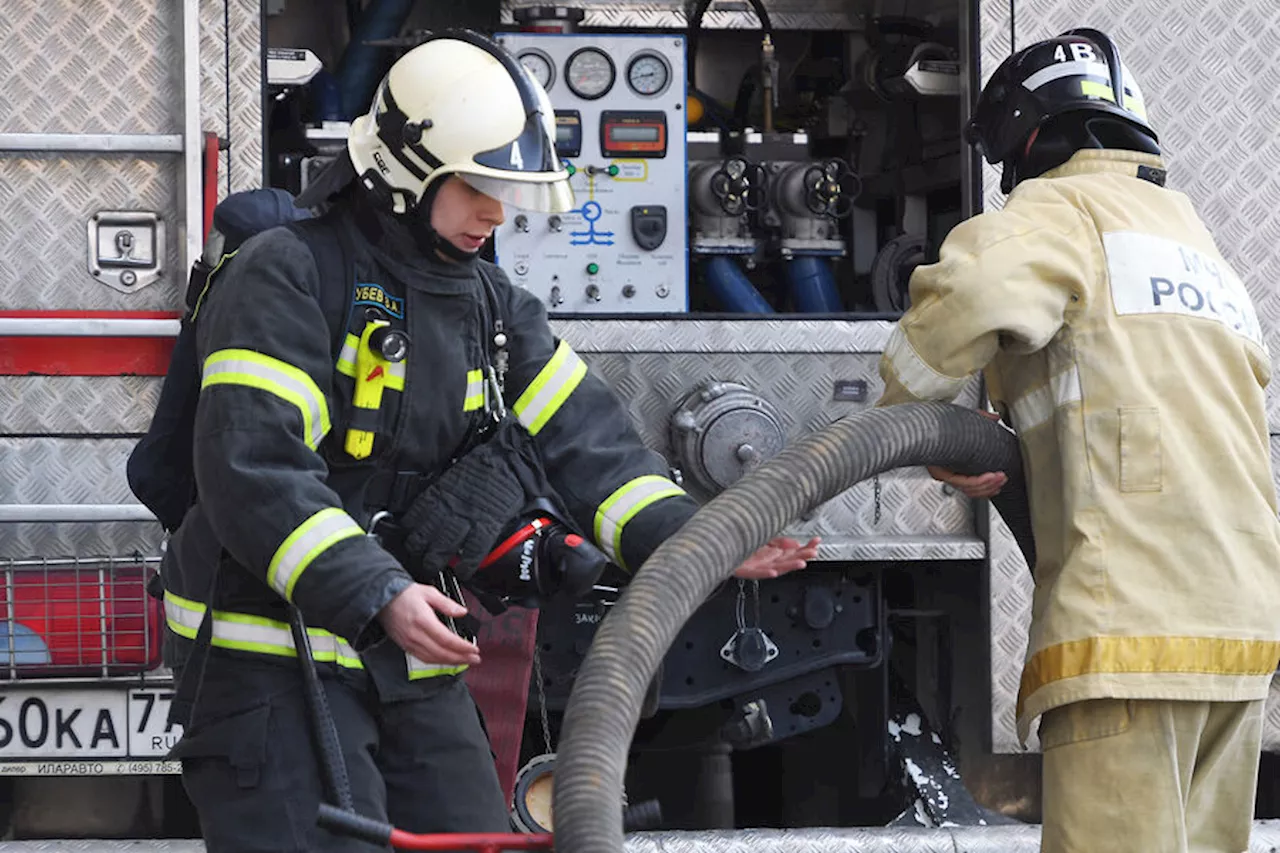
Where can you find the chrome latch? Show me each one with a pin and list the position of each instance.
(126, 248)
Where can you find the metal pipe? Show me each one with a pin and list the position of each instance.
(92, 143)
(55, 513)
(87, 327)
(64, 562)
(192, 225)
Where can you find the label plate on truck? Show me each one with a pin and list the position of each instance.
(85, 723)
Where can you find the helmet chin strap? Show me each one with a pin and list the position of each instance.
(418, 222)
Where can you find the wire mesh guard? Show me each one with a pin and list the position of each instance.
(78, 618)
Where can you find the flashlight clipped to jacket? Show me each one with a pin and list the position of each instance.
(380, 346)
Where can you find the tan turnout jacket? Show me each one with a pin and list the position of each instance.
(1128, 357)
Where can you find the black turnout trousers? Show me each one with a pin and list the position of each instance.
(250, 769)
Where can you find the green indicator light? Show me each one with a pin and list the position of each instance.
(593, 268)
(613, 171)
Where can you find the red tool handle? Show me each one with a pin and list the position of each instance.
(341, 822)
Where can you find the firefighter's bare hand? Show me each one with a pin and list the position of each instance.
(986, 485)
(412, 621)
(778, 557)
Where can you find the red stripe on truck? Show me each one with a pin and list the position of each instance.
(86, 356)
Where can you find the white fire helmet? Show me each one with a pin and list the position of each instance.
(460, 104)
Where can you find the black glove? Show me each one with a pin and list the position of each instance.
(537, 557)
(458, 518)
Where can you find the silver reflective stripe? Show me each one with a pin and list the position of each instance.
(920, 380)
(251, 369)
(550, 388)
(623, 505)
(246, 633)
(418, 669)
(1038, 407)
(347, 356)
(309, 540)
(1074, 68)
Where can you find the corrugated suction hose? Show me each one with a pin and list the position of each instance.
(604, 705)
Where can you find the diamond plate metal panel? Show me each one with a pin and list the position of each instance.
(245, 85)
(90, 66)
(47, 201)
(1265, 838)
(70, 471)
(66, 405)
(1011, 588)
(725, 336)
(795, 365)
(783, 14)
(1212, 94)
(231, 89)
(213, 67)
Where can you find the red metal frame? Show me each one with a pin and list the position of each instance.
(86, 356)
(210, 180)
(478, 841)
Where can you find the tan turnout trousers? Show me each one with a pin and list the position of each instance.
(1144, 776)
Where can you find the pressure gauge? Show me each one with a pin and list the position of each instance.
(590, 73)
(539, 65)
(648, 73)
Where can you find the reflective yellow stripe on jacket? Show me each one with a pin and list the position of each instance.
(473, 399)
(419, 670)
(255, 370)
(550, 388)
(246, 633)
(347, 364)
(1130, 655)
(621, 506)
(260, 635)
(309, 540)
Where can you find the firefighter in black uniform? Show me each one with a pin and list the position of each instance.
(448, 407)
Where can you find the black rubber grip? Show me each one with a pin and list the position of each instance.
(342, 822)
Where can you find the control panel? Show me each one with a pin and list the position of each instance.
(620, 130)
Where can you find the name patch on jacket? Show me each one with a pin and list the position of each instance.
(374, 294)
(1156, 275)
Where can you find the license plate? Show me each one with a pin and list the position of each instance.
(86, 723)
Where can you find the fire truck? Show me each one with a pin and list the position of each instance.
(755, 182)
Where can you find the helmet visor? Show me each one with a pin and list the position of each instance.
(539, 196)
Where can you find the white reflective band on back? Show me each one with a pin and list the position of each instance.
(309, 540)
(920, 380)
(418, 669)
(623, 504)
(258, 634)
(1156, 275)
(1038, 406)
(550, 388)
(255, 370)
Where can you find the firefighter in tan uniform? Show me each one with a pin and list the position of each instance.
(1125, 352)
